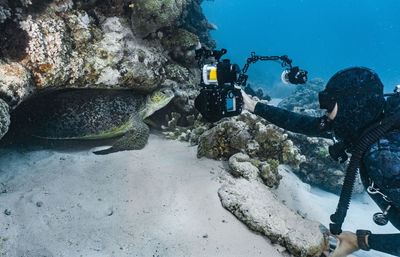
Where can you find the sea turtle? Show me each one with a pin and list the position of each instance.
(89, 114)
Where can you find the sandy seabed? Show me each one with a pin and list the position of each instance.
(159, 201)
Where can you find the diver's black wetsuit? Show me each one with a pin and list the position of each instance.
(381, 163)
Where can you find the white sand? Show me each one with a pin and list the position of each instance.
(160, 201)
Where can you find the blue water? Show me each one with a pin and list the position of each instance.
(320, 36)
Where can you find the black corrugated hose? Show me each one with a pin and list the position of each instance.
(371, 135)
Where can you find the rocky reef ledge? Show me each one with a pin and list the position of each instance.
(48, 45)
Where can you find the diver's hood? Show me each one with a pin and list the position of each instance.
(358, 92)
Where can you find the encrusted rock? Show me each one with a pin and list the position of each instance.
(252, 148)
(150, 16)
(198, 130)
(4, 118)
(249, 134)
(196, 22)
(269, 173)
(71, 51)
(184, 51)
(140, 67)
(216, 142)
(185, 91)
(241, 165)
(262, 211)
(304, 99)
(48, 50)
(15, 83)
(320, 169)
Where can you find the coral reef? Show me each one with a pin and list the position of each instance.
(183, 52)
(320, 169)
(249, 134)
(151, 16)
(124, 61)
(304, 99)
(15, 83)
(48, 45)
(222, 141)
(100, 44)
(245, 139)
(241, 165)
(196, 22)
(259, 93)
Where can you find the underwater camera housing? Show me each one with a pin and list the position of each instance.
(219, 94)
(220, 87)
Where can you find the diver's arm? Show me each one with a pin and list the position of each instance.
(349, 242)
(386, 243)
(292, 121)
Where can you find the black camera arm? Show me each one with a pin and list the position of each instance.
(283, 60)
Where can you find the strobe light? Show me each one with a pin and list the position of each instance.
(294, 76)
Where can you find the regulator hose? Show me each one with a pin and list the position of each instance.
(371, 135)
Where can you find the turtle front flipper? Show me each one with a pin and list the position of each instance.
(134, 139)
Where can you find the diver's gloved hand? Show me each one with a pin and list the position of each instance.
(347, 244)
(249, 103)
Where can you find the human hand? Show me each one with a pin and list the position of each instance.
(250, 103)
(347, 243)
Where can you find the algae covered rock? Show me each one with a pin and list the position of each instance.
(123, 61)
(184, 51)
(269, 173)
(150, 16)
(74, 52)
(260, 209)
(241, 165)
(15, 83)
(249, 134)
(216, 142)
(49, 49)
(196, 22)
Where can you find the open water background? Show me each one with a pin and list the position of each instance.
(320, 36)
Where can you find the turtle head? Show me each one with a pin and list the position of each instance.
(156, 101)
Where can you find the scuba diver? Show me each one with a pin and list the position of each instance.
(368, 127)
